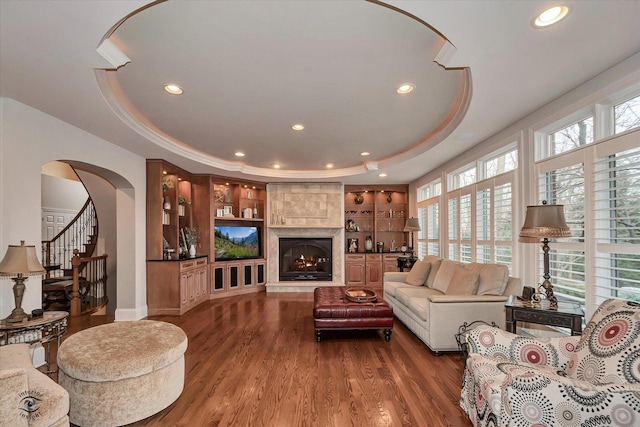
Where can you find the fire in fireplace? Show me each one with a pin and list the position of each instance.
(305, 259)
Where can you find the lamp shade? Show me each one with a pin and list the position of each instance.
(412, 224)
(21, 259)
(545, 221)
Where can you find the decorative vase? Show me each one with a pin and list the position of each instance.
(167, 204)
(358, 199)
(181, 210)
(192, 251)
(368, 244)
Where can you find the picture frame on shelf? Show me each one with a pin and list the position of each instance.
(219, 212)
(228, 210)
(352, 245)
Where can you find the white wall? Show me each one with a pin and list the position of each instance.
(30, 138)
(60, 193)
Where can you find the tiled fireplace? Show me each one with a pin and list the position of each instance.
(304, 211)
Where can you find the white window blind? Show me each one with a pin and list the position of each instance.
(565, 186)
(503, 222)
(617, 224)
(453, 224)
(428, 236)
(479, 221)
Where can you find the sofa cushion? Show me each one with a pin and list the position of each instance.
(445, 274)
(420, 307)
(463, 282)
(493, 277)
(390, 288)
(418, 274)
(435, 262)
(403, 295)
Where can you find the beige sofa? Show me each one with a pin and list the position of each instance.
(437, 296)
(28, 397)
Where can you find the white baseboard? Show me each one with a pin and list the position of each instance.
(124, 314)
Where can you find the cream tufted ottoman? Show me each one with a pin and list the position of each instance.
(122, 372)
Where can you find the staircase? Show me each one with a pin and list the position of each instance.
(81, 233)
(76, 280)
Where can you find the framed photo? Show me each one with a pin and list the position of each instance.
(220, 212)
(228, 210)
(352, 245)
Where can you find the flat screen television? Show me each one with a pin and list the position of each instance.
(237, 242)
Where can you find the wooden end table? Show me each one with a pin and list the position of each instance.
(566, 315)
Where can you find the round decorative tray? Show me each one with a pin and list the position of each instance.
(360, 295)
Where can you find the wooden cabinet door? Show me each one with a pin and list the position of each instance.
(201, 284)
(217, 278)
(248, 273)
(260, 268)
(355, 274)
(374, 270)
(233, 276)
(374, 275)
(184, 289)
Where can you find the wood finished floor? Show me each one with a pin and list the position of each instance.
(253, 361)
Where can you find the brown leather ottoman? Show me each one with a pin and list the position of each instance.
(332, 311)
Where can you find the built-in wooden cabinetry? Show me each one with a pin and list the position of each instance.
(178, 200)
(379, 214)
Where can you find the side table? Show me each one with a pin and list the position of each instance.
(566, 315)
(406, 262)
(50, 327)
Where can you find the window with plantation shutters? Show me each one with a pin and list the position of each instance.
(479, 221)
(428, 216)
(565, 185)
(503, 221)
(617, 221)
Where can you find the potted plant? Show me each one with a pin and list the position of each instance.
(190, 237)
(182, 203)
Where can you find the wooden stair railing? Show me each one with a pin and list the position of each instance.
(89, 291)
(80, 234)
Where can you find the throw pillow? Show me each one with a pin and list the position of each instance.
(418, 274)
(445, 274)
(463, 282)
(435, 265)
(493, 277)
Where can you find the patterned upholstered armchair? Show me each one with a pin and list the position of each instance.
(569, 381)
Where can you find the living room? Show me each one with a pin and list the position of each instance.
(33, 134)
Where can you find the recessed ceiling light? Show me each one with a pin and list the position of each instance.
(276, 166)
(330, 165)
(239, 154)
(405, 88)
(297, 126)
(382, 175)
(164, 172)
(551, 16)
(365, 153)
(173, 89)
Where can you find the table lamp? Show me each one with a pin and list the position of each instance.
(412, 224)
(545, 222)
(19, 262)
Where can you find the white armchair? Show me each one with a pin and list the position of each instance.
(571, 381)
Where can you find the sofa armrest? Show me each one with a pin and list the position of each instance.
(12, 383)
(555, 351)
(448, 299)
(395, 276)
